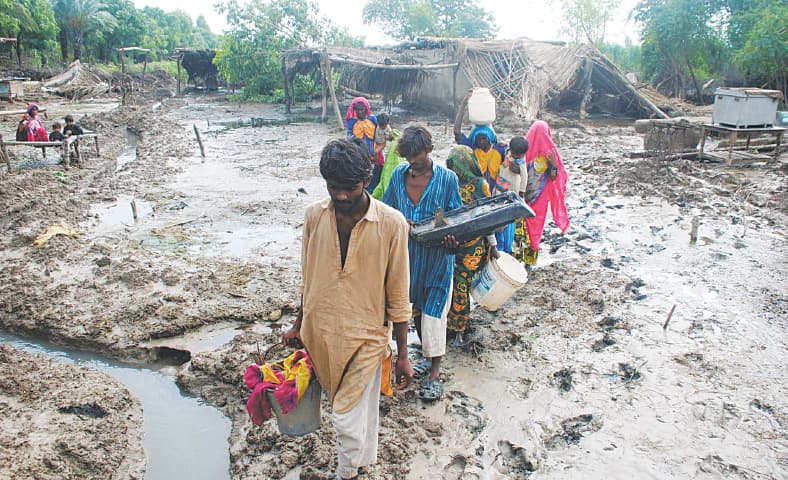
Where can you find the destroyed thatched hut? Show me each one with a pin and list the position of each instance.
(199, 66)
(527, 77)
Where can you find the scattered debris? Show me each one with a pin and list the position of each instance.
(54, 230)
(627, 373)
(603, 343)
(573, 430)
(91, 410)
(563, 379)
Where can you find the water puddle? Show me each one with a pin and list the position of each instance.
(257, 122)
(183, 437)
(119, 214)
(130, 152)
(208, 338)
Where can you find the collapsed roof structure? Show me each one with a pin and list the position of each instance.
(199, 66)
(526, 76)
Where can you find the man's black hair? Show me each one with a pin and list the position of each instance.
(518, 145)
(414, 140)
(383, 118)
(345, 162)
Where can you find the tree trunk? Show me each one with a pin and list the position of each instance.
(692, 74)
(18, 47)
(77, 46)
(64, 44)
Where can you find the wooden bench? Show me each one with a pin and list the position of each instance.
(65, 145)
(733, 136)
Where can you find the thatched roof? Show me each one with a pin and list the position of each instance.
(525, 76)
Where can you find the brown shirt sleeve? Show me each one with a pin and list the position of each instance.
(398, 308)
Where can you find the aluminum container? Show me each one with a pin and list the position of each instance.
(745, 107)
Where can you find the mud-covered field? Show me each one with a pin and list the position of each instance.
(60, 421)
(578, 376)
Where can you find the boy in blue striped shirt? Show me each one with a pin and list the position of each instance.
(417, 189)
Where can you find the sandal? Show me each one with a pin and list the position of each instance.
(431, 390)
(422, 368)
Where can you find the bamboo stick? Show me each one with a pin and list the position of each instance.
(199, 141)
(330, 80)
(19, 112)
(336, 59)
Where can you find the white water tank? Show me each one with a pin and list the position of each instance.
(481, 107)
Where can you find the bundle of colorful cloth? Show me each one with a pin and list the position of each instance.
(288, 380)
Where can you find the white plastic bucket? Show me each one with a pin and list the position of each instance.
(498, 281)
(481, 107)
(305, 417)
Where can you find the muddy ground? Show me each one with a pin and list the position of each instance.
(63, 421)
(573, 377)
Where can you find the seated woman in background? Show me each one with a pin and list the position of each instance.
(30, 128)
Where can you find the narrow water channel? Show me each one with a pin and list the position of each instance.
(183, 437)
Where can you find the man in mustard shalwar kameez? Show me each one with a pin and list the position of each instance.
(355, 287)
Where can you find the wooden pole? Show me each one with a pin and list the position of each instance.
(286, 83)
(4, 113)
(199, 141)
(144, 68)
(66, 153)
(589, 67)
(426, 66)
(324, 95)
(122, 61)
(670, 315)
(694, 230)
(6, 158)
(613, 70)
(330, 80)
(454, 88)
(98, 154)
(179, 74)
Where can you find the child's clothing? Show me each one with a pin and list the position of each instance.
(56, 137)
(73, 129)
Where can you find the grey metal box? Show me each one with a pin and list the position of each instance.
(745, 107)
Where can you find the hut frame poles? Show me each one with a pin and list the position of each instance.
(587, 90)
(325, 63)
(286, 84)
(323, 96)
(180, 58)
(454, 88)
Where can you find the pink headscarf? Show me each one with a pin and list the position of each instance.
(540, 142)
(351, 112)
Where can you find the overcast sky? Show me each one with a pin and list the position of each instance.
(537, 19)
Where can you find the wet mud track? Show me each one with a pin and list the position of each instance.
(575, 376)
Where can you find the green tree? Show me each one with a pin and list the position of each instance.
(626, 57)
(128, 32)
(84, 17)
(202, 37)
(682, 41)
(760, 42)
(248, 54)
(408, 19)
(586, 20)
(40, 32)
